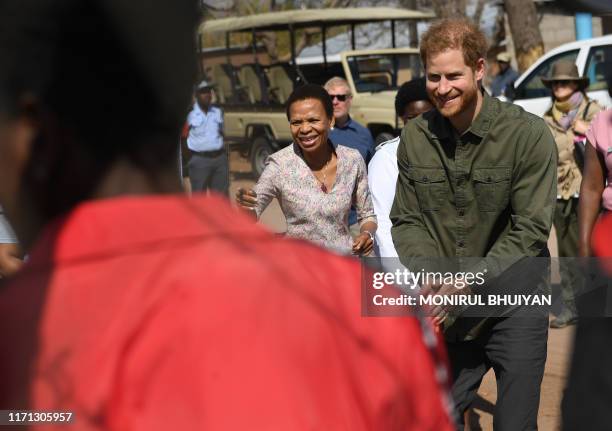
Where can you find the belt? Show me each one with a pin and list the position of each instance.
(215, 153)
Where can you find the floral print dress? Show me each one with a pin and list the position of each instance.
(312, 214)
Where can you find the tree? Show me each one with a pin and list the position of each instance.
(412, 25)
(449, 8)
(525, 29)
(453, 8)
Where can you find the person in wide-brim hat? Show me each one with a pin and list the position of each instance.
(568, 118)
(566, 71)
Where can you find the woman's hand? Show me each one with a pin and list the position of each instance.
(247, 199)
(10, 259)
(581, 127)
(363, 244)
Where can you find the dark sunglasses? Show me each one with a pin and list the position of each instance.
(562, 82)
(340, 97)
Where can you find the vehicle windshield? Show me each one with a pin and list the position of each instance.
(383, 72)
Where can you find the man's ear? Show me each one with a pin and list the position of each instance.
(480, 69)
(25, 128)
(24, 134)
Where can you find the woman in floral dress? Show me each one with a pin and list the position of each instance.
(315, 181)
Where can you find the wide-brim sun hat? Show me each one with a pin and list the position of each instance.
(566, 71)
(504, 57)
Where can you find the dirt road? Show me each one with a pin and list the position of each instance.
(481, 416)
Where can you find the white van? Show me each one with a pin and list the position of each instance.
(590, 55)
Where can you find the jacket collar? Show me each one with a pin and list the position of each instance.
(108, 228)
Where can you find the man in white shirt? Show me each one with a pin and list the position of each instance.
(411, 100)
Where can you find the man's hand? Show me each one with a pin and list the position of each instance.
(10, 259)
(440, 312)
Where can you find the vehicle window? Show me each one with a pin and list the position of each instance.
(533, 87)
(600, 59)
(378, 72)
(317, 74)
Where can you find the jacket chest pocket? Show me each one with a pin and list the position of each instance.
(492, 188)
(430, 186)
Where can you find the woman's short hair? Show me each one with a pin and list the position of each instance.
(311, 91)
(411, 91)
(454, 33)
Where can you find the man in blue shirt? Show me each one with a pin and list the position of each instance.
(347, 131)
(208, 166)
(506, 75)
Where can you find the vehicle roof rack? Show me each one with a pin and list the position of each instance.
(303, 18)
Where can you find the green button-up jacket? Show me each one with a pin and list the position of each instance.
(489, 193)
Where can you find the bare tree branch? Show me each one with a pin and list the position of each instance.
(449, 8)
(269, 39)
(305, 39)
(523, 20)
(478, 11)
(412, 25)
(306, 36)
(499, 30)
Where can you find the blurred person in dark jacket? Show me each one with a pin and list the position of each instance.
(505, 77)
(142, 309)
(588, 396)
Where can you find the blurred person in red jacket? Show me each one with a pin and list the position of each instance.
(142, 309)
(588, 395)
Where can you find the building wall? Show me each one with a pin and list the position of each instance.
(558, 28)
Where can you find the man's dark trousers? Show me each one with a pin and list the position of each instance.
(566, 226)
(209, 171)
(515, 347)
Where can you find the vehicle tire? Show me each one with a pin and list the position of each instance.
(382, 137)
(259, 153)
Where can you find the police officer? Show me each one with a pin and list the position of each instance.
(208, 166)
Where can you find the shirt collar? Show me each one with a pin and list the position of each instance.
(347, 125)
(133, 224)
(199, 110)
(482, 123)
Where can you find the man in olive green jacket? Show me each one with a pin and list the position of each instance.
(477, 179)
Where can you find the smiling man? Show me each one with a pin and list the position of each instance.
(477, 179)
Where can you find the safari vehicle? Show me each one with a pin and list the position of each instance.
(253, 95)
(592, 57)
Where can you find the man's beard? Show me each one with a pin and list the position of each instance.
(465, 99)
